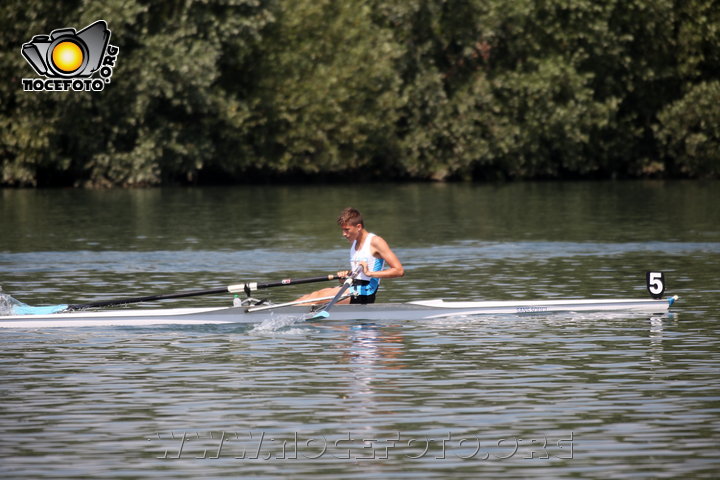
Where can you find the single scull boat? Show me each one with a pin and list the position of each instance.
(252, 311)
(419, 310)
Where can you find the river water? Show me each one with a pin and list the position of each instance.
(542, 396)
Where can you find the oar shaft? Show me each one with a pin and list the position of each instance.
(242, 287)
(251, 287)
(149, 298)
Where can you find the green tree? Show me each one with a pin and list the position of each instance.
(419, 89)
(327, 96)
(688, 128)
(172, 106)
(498, 88)
(689, 131)
(29, 128)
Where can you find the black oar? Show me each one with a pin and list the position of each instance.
(242, 287)
(323, 313)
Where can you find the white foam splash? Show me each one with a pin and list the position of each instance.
(8, 304)
(275, 324)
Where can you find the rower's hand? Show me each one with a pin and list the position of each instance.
(343, 274)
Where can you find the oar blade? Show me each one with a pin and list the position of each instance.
(321, 315)
(44, 310)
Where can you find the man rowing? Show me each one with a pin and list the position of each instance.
(367, 250)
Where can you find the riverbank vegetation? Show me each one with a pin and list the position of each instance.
(244, 90)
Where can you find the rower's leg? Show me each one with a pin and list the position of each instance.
(325, 292)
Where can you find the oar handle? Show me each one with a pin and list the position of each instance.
(251, 287)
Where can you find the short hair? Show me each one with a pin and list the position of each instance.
(350, 216)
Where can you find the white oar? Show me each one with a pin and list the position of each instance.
(346, 284)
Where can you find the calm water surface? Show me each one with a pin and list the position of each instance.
(542, 396)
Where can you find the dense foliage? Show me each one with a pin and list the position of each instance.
(228, 90)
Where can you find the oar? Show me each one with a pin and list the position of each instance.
(323, 313)
(23, 309)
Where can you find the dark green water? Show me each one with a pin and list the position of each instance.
(568, 396)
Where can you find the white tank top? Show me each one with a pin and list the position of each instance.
(364, 254)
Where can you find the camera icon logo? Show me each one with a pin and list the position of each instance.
(67, 54)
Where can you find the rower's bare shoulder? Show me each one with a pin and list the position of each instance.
(380, 246)
(378, 242)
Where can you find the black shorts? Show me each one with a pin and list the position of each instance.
(363, 299)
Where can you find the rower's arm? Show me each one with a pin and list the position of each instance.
(382, 250)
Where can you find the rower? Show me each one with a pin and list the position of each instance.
(368, 250)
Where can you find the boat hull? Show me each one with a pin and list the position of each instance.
(420, 310)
